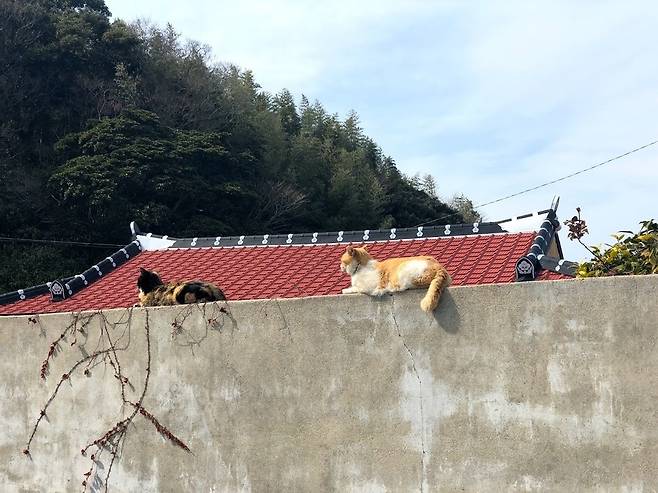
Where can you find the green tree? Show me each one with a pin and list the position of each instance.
(284, 104)
(428, 185)
(352, 133)
(466, 208)
(132, 166)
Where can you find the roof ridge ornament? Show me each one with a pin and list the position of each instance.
(555, 203)
(57, 291)
(28, 293)
(529, 266)
(134, 229)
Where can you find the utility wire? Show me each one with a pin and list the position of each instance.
(58, 242)
(545, 184)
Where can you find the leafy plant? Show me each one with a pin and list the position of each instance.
(632, 253)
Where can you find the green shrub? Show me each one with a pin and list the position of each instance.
(631, 253)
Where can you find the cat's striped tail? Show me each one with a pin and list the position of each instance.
(441, 281)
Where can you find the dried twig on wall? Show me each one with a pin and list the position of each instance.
(109, 346)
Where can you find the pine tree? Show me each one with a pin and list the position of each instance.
(284, 104)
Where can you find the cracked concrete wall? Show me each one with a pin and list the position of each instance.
(544, 386)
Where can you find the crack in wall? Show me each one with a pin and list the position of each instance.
(285, 320)
(420, 398)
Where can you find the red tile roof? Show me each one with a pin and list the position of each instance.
(290, 271)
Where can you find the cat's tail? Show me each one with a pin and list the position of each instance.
(198, 292)
(441, 281)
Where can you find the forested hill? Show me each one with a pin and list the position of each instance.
(104, 122)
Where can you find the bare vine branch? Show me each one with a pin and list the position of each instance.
(108, 351)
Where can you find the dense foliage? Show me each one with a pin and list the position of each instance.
(632, 253)
(103, 122)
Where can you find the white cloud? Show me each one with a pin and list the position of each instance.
(290, 43)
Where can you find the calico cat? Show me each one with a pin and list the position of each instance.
(153, 292)
(376, 278)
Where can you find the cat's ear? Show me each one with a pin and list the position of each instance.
(350, 250)
(143, 270)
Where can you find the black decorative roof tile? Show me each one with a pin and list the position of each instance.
(561, 266)
(95, 272)
(64, 288)
(333, 237)
(529, 266)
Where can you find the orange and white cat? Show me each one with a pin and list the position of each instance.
(370, 276)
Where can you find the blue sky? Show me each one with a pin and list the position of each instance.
(490, 97)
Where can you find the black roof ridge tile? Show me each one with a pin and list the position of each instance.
(334, 237)
(476, 228)
(61, 289)
(535, 260)
(559, 265)
(27, 293)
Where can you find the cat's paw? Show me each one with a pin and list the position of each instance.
(426, 305)
(349, 291)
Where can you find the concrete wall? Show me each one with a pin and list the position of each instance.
(543, 386)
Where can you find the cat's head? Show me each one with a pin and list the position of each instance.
(147, 280)
(353, 258)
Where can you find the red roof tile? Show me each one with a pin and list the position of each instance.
(290, 271)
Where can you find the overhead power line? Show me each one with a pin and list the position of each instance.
(58, 242)
(571, 175)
